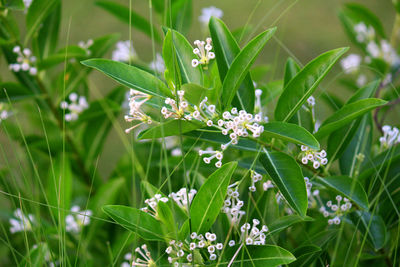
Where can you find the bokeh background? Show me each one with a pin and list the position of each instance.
(306, 28)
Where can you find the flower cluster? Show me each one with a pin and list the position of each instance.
(203, 51)
(351, 63)
(251, 235)
(391, 136)
(183, 198)
(311, 194)
(75, 221)
(27, 3)
(317, 158)
(4, 112)
(146, 259)
(158, 64)
(86, 45)
(152, 204)
(136, 100)
(25, 61)
(208, 12)
(255, 177)
(208, 241)
(176, 253)
(20, 222)
(124, 52)
(212, 154)
(178, 109)
(258, 110)
(77, 106)
(267, 185)
(336, 210)
(364, 33)
(232, 205)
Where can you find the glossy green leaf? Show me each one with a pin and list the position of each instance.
(37, 13)
(210, 198)
(183, 52)
(127, 15)
(283, 223)
(261, 256)
(287, 176)
(47, 37)
(137, 221)
(169, 128)
(306, 255)
(62, 56)
(14, 92)
(346, 114)
(372, 225)
(291, 133)
(130, 76)
(291, 69)
(301, 87)
(241, 66)
(194, 93)
(226, 49)
(347, 186)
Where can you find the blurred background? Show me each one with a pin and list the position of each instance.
(306, 28)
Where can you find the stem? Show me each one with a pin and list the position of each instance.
(235, 255)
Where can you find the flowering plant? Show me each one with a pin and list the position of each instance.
(213, 165)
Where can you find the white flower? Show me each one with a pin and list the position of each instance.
(27, 3)
(364, 33)
(152, 203)
(208, 12)
(158, 64)
(383, 51)
(267, 185)
(361, 80)
(203, 51)
(232, 205)
(208, 243)
(124, 52)
(20, 222)
(336, 210)
(4, 112)
(136, 100)
(76, 106)
(351, 63)
(255, 177)
(258, 110)
(212, 154)
(317, 158)
(178, 110)
(25, 61)
(183, 198)
(391, 137)
(86, 45)
(144, 259)
(251, 235)
(75, 221)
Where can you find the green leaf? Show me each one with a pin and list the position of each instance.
(301, 87)
(169, 128)
(241, 66)
(291, 69)
(130, 76)
(14, 91)
(36, 256)
(195, 93)
(61, 56)
(14, 4)
(283, 223)
(287, 176)
(137, 221)
(226, 49)
(177, 45)
(347, 186)
(306, 255)
(210, 198)
(291, 133)
(48, 34)
(261, 256)
(372, 225)
(346, 114)
(127, 15)
(37, 13)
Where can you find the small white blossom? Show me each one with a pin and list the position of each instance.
(25, 61)
(183, 198)
(144, 259)
(206, 242)
(383, 51)
(86, 45)
(267, 185)
(364, 33)
(255, 177)
(251, 235)
(208, 12)
(20, 222)
(232, 205)
(158, 64)
(4, 112)
(391, 137)
(27, 4)
(217, 154)
(136, 100)
(258, 110)
(152, 203)
(361, 80)
(124, 52)
(317, 158)
(203, 51)
(351, 63)
(336, 211)
(177, 111)
(76, 106)
(75, 221)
